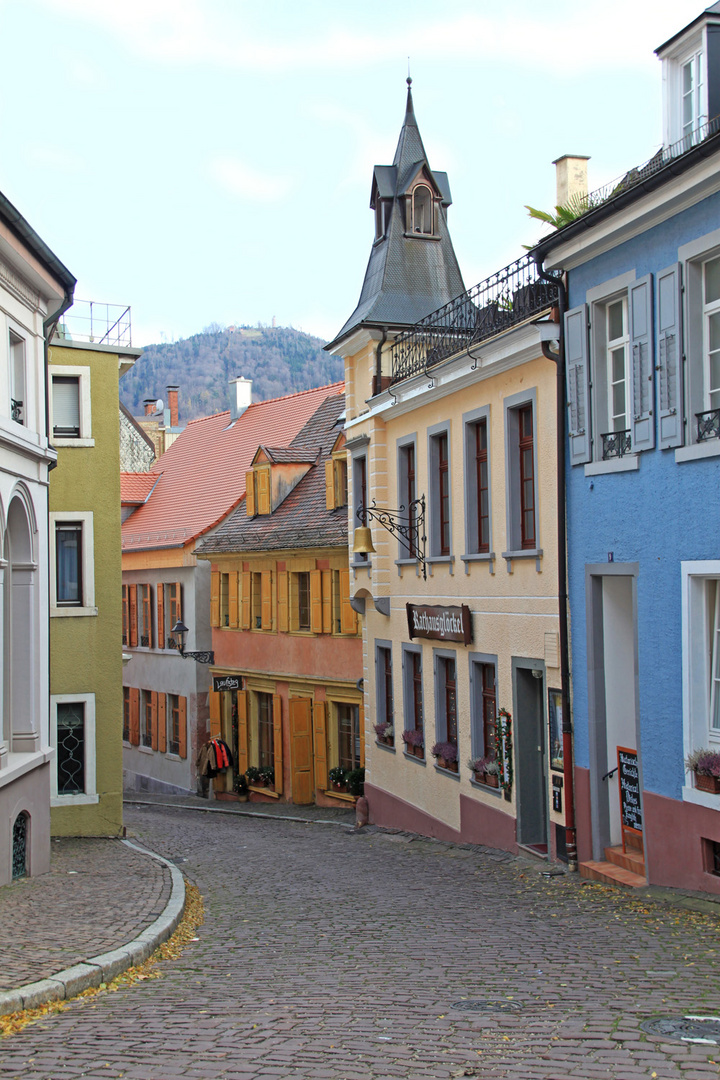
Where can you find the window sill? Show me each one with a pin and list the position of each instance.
(342, 795)
(701, 798)
(628, 463)
(524, 553)
(480, 557)
(263, 791)
(441, 560)
(698, 451)
(74, 800)
(71, 612)
(145, 749)
(447, 772)
(486, 789)
(71, 442)
(384, 746)
(361, 564)
(417, 760)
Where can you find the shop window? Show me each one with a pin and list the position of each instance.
(347, 718)
(265, 740)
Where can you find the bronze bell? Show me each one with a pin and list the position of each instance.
(363, 541)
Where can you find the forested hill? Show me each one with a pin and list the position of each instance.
(279, 361)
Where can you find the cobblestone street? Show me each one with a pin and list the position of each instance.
(327, 953)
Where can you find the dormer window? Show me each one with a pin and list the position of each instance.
(382, 217)
(693, 111)
(422, 211)
(688, 89)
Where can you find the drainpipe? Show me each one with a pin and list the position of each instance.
(378, 359)
(559, 359)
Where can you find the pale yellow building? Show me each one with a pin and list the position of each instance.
(451, 426)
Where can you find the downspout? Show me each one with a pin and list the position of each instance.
(568, 770)
(378, 360)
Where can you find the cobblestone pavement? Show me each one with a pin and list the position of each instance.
(99, 895)
(333, 955)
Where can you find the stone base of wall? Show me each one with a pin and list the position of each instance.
(137, 783)
(675, 852)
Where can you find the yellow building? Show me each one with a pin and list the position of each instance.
(451, 427)
(86, 703)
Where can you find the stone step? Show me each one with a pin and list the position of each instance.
(634, 861)
(611, 874)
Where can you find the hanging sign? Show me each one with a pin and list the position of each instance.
(443, 623)
(630, 809)
(226, 682)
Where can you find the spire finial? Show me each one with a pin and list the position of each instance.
(408, 80)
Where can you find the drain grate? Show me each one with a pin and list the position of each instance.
(697, 1029)
(500, 1005)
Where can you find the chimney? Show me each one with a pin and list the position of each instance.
(172, 404)
(570, 178)
(149, 403)
(243, 396)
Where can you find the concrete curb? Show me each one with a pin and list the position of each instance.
(106, 966)
(213, 809)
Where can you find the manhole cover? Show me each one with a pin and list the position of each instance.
(470, 1005)
(700, 1029)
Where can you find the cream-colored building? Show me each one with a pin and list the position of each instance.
(451, 425)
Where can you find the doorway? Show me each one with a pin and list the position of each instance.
(530, 754)
(301, 751)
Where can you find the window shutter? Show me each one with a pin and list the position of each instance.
(278, 742)
(182, 727)
(316, 611)
(578, 384)
(214, 703)
(132, 591)
(669, 361)
(263, 483)
(134, 716)
(153, 719)
(330, 484)
(233, 599)
(147, 615)
(160, 592)
(125, 616)
(282, 600)
(215, 598)
(348, 616)
(641, 351)
(176, 604)
(250, 493)
(327, 602)
(246, 597)
(266, 594)
(242, 703)
(66, 405)
(320, 747)
(162, 723)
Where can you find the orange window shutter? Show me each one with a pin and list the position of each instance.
(182, 732)
(215, 725)
(263, 484)
(134, 716)
(132, 592)
(153, 719)
(147, 614)
(348, 617)
(162, 723)
(246, 597)
(320, 745)
(250, 494)
(278, 743)
(330, 485)
(125, 615)
(327, 601)
(215, 598)
(316, 612)
(266, 621)
(161, 615)
(233, 600)
(242, 708)
(282, 601)
(177, 613)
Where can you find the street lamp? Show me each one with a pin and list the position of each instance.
(179, 631)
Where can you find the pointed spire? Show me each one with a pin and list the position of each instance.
(410, 147)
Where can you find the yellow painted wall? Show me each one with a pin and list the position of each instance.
(86, 651)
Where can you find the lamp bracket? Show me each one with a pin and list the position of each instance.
(200, 657)
(406, 523)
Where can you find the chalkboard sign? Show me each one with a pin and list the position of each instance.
(630, 809)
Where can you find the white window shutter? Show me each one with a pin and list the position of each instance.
(642, 422)
(578, 384)
(669, 362)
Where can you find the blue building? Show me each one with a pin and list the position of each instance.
(642, 355)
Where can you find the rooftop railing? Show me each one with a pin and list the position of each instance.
(504, 300)
(99, 323)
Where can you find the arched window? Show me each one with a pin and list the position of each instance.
(20, 847)
(422, 206)
(19, 657)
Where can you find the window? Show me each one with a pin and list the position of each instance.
(265, 739)
(413, 691)
(439, 454)
(521, 474)
(303, 601)
(478, 509)
(18, 388)
(144, 613)
(172, 596)
(711, 330)
(126, 616)
(616, 365)
(348, 735)
(701, 654)
(72, 733)
(224, 599)
(421, 211)
(526, 449)
(384, 707)
(126, 714)
(360, 497)
(483, 705)
(335, 482)
(407, 494)
(693, 112)
(257, 601)
(173, 724)
(148, 704)
(446, 718)
(71, 418)
(72, 566)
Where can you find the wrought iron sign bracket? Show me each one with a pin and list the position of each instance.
(407, 524)
(199, 657)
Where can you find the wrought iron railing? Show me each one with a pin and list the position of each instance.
(103, 324)
(708, 425)
(615, 444)
(506, 299)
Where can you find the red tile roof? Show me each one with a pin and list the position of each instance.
(203, 472)
(136, 486)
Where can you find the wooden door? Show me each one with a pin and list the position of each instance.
(301, 751)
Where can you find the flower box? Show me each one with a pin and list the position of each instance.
(451, 766)
(490, 780)
(707, 783)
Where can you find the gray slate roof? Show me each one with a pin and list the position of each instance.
(407, 277)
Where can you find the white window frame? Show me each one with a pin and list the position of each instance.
(673, 80)
(612, 346)
(709, 309)
(16, 339)
(693, 257)
(89, 796)
(696, 668)
(83, 376)
(85, 518)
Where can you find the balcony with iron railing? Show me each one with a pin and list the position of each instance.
(99, 323)
(508, 298)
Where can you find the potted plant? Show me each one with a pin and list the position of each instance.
(486, 771)
(385, 733)
(705, 764)
(252, 775)
(338, 778)
(267, 775)
(414, 742)
(356, 782)
(447, 755)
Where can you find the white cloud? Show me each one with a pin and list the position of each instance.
(244, 182)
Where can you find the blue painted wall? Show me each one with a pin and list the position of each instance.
(659, 516)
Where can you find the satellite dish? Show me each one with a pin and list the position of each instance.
(159, 404)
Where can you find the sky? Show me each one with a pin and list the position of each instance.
(210, 161)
